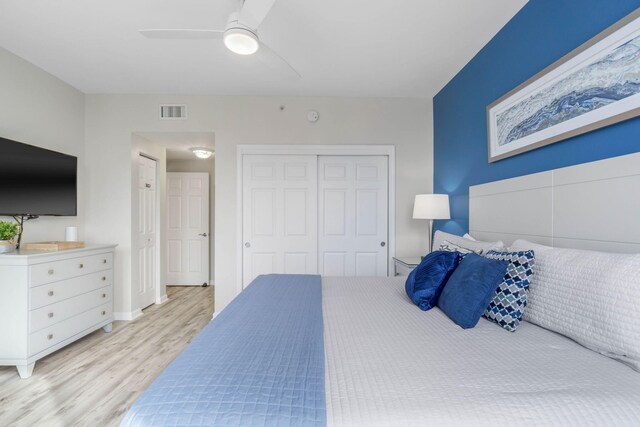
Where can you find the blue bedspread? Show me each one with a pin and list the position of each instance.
(259, 363)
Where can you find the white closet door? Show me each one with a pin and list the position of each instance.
(279, 215)
(353, 215)
(187, 228)
(147, 233)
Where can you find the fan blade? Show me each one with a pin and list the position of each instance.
(182, 34)
(253, 12)
(271, 59)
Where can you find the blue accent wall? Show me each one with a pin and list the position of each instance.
(540, 34)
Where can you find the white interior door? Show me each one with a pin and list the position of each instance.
(353, 215)
(279, 215)
(187, 228)
(147, 232)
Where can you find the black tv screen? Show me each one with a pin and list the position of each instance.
(35, 181)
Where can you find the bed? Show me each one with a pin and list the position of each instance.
(370, 357)
(303, 350)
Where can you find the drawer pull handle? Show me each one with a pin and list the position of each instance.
(81, 266)
(104, 312)
(104, 295)
(50, 336)
(104, 278)
(51, 272)
(50, 315)
(50, 293)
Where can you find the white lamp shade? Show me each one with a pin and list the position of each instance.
(431, 206)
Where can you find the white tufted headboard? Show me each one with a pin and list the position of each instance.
(588, 206)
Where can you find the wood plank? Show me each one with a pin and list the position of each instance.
(95, 380)
(51, 246)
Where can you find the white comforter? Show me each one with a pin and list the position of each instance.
(390, 364)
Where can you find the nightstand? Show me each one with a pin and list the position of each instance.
(404, 265)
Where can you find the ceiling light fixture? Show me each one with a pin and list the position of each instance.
(202, 152)
(241, 41)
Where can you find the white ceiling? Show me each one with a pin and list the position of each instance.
(386, 48)
(175, 154)
(178, 144)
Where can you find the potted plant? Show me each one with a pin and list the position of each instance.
(8, 232)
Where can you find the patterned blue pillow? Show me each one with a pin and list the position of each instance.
(508, 304)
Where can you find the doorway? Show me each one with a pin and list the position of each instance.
(168, 152)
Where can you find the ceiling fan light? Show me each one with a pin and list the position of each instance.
(202, 152)
(241, 41)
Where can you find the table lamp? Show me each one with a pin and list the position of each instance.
(431, 206)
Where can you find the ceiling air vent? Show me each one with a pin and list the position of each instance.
(173, 112)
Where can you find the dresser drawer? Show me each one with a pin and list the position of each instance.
(55, 313)
(55, 292)
(52, 335)
(60, 270)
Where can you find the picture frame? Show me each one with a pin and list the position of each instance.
(595, 85)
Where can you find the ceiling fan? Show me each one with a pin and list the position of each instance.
(240, 35)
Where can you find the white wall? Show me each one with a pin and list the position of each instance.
(208, 166)
(111, 120)
(39, 109)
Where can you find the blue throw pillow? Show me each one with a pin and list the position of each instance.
(510, 299)
(425, 282)
(470, 289)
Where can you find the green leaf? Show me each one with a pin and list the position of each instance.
(8, 230)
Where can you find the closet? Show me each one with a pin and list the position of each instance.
(315, 214)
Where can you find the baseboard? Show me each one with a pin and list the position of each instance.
(164, 298)
(215, 314)
(197, 285)
(210, 283)
(127, 316)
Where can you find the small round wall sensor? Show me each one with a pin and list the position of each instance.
(283, 107)
(313, 116)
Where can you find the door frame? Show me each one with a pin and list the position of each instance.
(316, 150)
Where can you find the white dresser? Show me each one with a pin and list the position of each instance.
(50, 299)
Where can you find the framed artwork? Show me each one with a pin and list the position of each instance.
(596, 85)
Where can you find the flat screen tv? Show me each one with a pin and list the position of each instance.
(35, 181)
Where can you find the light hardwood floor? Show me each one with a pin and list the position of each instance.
(95, 380)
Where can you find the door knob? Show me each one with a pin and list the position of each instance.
(247, 245)
(147, 185)
(382, 244)
(203, 234)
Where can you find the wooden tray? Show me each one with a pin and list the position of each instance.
(51, 246)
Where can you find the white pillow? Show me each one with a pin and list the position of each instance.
(469, 236)
(450, 247)
(476, 246)
(591, 297)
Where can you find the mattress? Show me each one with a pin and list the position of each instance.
(259, 363)
(290, 351)
(389, 363)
